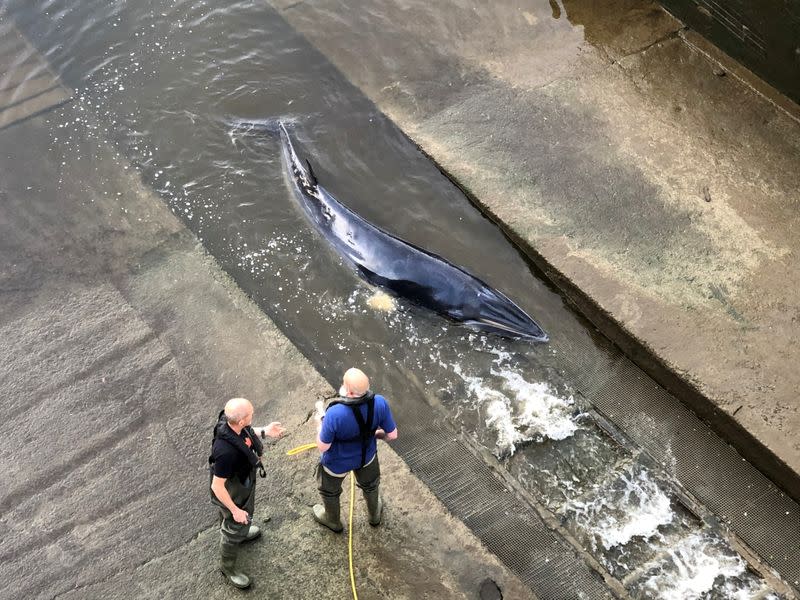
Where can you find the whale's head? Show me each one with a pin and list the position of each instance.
(496, 313)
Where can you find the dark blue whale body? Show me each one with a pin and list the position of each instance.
(410, 272)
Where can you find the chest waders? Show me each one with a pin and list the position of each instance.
(243, 494)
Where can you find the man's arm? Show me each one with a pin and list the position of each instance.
(273, 430)
(388, 429)
(319, 416)
(221, 492)
(322, 446)
(382, 435)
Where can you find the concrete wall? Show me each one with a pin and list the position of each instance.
(764, 35)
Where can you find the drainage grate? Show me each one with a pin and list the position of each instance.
(511, 530)
(762, 516)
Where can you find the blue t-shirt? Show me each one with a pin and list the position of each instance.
(340, 428)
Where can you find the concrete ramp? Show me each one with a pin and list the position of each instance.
(27, 85)
(91, 439)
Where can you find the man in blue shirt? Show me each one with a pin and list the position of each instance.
(347, 440)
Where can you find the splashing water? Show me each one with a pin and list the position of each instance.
(525, 412)
(615, 519)
(694, 564)
(541, 412)
(498, 417)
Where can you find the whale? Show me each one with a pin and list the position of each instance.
(404, 269)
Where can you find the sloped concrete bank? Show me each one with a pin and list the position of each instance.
(644, 356)
(655, 189)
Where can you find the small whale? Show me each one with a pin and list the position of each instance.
(404, 269)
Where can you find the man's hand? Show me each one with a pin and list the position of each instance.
(274, 429)
(319, 411)
(239, 515)
(319, 414)
(380, 434)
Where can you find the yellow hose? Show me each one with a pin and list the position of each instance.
(350, 532)
(305, 447)
(300, 449)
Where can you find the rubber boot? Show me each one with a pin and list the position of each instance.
(227, 564)
(328, 515)
(252, 533)
(374, 507)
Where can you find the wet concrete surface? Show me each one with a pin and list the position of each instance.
(762, 36)
(27, 85)
(121, 340)
(567, 69)
(659, 191)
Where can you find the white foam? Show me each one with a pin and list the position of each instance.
(747, 591)
(498, 417)
(540, 411)
(522, 412)
(502, 355)
(699, 563)
(641, 510)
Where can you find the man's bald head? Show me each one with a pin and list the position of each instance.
(354, 383)
(237, 410)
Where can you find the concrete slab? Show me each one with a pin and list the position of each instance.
(27, 85)
(658, 192)
(121, 340)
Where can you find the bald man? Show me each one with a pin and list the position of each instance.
(346, 437)
(235, 458)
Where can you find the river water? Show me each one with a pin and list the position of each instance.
(190, 94)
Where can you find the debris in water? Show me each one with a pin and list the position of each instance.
(382, 301)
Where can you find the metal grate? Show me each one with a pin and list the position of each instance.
(760, 514)
(511, 530)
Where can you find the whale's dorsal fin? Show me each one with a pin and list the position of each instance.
(311, 173)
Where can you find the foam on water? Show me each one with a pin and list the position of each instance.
(696, 563)
(522, 412)
(615, 520)
(498, 417)
(540, 410)
(382, 301)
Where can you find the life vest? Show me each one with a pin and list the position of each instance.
(253, 453)
(366, 426)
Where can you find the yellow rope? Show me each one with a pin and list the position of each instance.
(350, 533)
(300, 449)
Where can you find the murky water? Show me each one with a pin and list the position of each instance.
(190, 93)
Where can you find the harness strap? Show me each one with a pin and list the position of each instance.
(365, 426)
(256, 443)
(256, 446)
